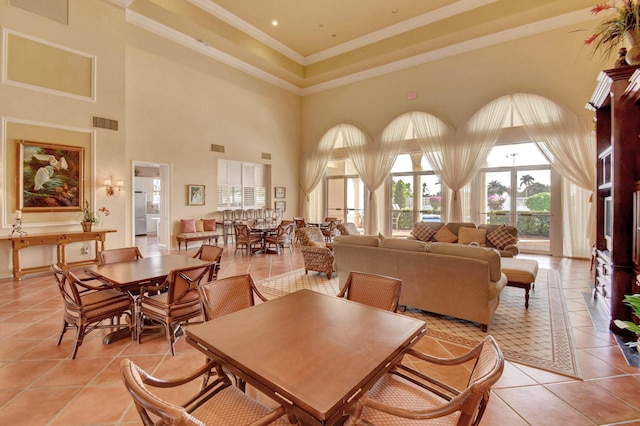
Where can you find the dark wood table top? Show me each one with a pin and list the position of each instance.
(315, 354)
(132, 274)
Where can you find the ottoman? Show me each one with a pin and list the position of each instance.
(520, 273)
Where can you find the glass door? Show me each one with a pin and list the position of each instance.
(345, 199)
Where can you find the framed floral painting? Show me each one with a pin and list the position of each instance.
(50, 177)
(195, 195)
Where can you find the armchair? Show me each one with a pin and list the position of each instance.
(316, 253)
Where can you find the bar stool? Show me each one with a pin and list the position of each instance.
(259, 216)
(250, 214)
(238, 215)
(227, 224)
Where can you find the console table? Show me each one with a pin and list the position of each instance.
(59, 239)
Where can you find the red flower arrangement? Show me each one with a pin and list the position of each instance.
(610, 33)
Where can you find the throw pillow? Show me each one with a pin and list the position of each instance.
(472, 235)
(187, 225)
(209, 224)
(501, 237)
(422, 231)
(199, 226)
(444, 235)
(380, 237)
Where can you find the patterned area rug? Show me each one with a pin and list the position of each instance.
(539, 336)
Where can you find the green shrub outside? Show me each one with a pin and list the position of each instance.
(530, 225)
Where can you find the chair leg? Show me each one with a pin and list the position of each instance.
(64, 329)
(169, 332)
(78, 342)
(328, 275)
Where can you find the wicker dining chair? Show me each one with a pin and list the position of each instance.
(374, 290)
(216, 403)
(178, 302)
(246, 239)
(228, 295)
(281, 239)
(119, 255)
(408, 396)
(210, 253)
(87, 306)
(348, 228)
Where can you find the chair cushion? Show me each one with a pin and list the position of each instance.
(187, 225)
(209, 224)
(472, 235)
(422, 231)
(501, 237)
(444, 235)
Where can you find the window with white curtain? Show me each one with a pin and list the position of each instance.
(241, 185)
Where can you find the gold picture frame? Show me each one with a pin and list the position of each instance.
(50, 177)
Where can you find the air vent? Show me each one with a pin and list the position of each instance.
(217, 148)
(105, 123)
(266, 156)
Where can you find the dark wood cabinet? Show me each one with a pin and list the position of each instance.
(617, 193)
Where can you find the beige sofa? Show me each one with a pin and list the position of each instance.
(506, 250)
(449, 279)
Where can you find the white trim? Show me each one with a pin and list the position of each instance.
(150, 25)
(5, 59)
(247, 28)
(401, 27)
(3, 177)
(455, 49)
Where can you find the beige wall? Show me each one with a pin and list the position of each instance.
(553, 64)
(171, 104)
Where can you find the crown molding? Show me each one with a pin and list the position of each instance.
(242, 25)
(456, 49)
(155, 27)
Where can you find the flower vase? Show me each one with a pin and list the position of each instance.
(87, 226)
(633, 52)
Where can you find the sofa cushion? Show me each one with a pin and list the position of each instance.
(501, 237)
(187, 225)
(209, 224)
(357, 240)
(481, 253)
(403, 244)
(472, 235)
(422, 231)
(455, 226)
(444, 235)
(199, 226)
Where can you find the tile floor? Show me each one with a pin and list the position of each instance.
(40, 385)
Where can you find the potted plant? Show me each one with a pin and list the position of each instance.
(632, 300)
(89, 217)
(623, 21)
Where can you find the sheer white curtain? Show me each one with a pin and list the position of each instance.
(569, 145)
(457, 158)
(314, 167)
(373, 161)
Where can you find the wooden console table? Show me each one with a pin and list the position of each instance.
(60, 239)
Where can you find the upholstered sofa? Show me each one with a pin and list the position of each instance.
(449, 279)
(197, 230)
(501, 237)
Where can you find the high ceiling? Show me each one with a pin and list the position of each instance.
(325, 43)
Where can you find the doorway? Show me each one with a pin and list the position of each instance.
(151, 203)
(345, 199)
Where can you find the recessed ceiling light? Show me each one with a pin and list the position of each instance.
(394, 11)
(274, 22)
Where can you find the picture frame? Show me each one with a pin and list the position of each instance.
(281, 192)
(281, 205)
(50, 177)
(195, 195)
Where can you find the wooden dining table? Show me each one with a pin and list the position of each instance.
(315, 354)
(130, 276)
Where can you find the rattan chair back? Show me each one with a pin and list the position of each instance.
(227, 295)
(119, 255)
(374, 290)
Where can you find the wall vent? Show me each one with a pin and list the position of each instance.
(105, 123)
(217, 148)
(266, 156)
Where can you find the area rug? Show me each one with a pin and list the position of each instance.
(539, 336)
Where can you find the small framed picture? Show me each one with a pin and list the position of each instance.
(282, 205)
(195, 195)
(281, 192)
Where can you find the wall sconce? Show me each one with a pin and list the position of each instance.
(113, 191)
